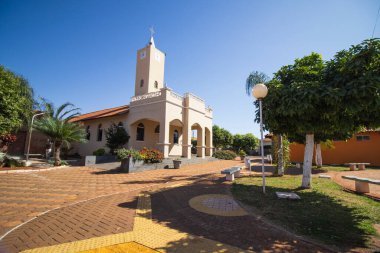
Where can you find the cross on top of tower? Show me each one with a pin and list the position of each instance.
(151, 29)
(151, 41)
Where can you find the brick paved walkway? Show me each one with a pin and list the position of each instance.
(27, 195)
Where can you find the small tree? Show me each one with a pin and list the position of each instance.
(55, 124)
(16, 101)
(116, 137)
(222, 138)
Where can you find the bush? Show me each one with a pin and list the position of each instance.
(63, 162)
(116, 137)
(152, 155)
(225, 154)
(242, 153)
(99, 152)
(125, 153)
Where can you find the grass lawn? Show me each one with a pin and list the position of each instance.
(325, 213)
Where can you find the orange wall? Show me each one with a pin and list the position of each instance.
(345, 151)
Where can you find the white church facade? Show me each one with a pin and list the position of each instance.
(156, 116)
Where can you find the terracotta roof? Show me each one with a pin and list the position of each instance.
(102, 113)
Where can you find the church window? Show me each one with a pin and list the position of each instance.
(175, 137)
(157, 129)
(156, 84)
(140, 132)
(100, 132)
(88, 134)
(142, 83)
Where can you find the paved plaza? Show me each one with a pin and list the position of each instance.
(84, 209)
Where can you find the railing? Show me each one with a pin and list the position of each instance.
(146, 96)
(195, 97)
(176, 95)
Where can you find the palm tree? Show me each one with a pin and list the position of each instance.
(56, 124)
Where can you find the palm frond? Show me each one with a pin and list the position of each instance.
(61, 108)
(254, 78)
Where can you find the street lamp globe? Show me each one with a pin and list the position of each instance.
(259, 91)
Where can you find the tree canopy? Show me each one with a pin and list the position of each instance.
(222, 138)
(16, 101)
(116, 137)
(246, 142)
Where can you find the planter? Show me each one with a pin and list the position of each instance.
(177, 164)
(129, 165)
(92, 159)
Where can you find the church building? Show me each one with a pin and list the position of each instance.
(156, 116)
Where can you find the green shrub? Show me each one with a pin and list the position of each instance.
(152, 155)
(63, 162)
(242, 153)
(225, 154)
(99, 152)
(125, 153)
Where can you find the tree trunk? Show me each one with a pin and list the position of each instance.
(307, 161)
(318, 155)
(280, 158)
(57, 153)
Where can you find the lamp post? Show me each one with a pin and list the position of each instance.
(259, 91)
(30, 136)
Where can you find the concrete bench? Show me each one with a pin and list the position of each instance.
(361, 183)
(231, 173)
(360, 165)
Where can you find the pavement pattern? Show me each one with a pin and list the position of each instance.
(79, 209)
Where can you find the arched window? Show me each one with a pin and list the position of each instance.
(175, 137)
(140, 132)
(100, 132)
(142, 83)
(88, 134)
(157, 129)
(156, 84)
(120, 124)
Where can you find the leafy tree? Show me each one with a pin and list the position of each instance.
(294, 105)
(353, 80)
(16, 101)
(57, 126)
(246, 142)
(116, 137)
(222, 138)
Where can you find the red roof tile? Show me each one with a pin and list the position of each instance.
(102, 113)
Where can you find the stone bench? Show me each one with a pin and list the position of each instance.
(360, 165)
(361, 183)
(231, 173)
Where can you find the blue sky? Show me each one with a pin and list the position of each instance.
(84, 51)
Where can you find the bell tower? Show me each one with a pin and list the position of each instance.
(150, 65)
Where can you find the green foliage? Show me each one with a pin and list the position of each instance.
(99, 152)
(254, 78)
(16, 101)
(246, 142)
(151, 155)
(225, 154)
(221, 137)
(285, 147)
(116, 137)
(125, 153)
(353, 85)
(59, 129)
(242, 153)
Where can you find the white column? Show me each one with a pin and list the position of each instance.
(164, 138)
(200, 143)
